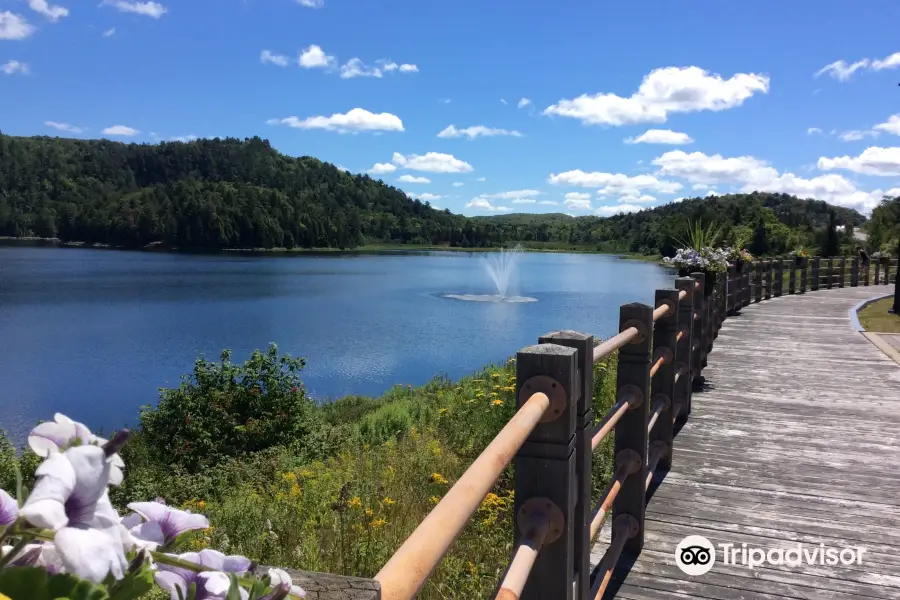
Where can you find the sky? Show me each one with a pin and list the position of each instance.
(487, 107)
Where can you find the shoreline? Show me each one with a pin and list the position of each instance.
(364, 249)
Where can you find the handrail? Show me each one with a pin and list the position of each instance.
(614, 343)
(406, 571)
(522, 563)
(622, 527)
(625, 402)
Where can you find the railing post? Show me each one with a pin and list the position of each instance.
(830, 268)
(865, 272)
(816, 273)
(723, 309)
(662, 385)
(633, 377)
(757, 281)
(768, 279)
(792, 278)
(854, 272)
(779, 277)
(731, 291)
(745, 297)
(584, 424)
(698, 349)
(877, 272)
(683, 354)
(545, 477)
(843, 269)
(804, 279)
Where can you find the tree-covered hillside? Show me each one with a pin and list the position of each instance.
(231, 193)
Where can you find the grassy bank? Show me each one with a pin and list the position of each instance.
(334, 488)
(875, 317)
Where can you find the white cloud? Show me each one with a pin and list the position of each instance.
(753, 174)
(813, 131)
(120, 130)
(511, 195)
(355, 68)
(413, 179)
(13, 66)
(482, 203)
(427, 197)
(888, 62)
(431, 162)
(661, 136)
(549, 202)
(14, 27)
(409, 68)
(109, 32)
(54, 13)
(637, 199)
(481, 179)
(578, 201)
(267, 57)
(444, 100)
(524, 201)
(63, 127)
(856, 135)
(475, 131)
(355, 120)
(608, 211)
(523, 103)
(699, 186)
(892, 125)
(458, 184)
(315, 58)
(711, 193)
(613, 184)
(873, 161)
(311, 3)
(502, 101)
(842, 71)
(382, 168)
(664, 91)
(183, 138)
(147, 9)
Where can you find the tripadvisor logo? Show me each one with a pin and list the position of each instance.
(696, 555)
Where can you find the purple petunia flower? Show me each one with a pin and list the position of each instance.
(9, 509)
(62, 433)
(167, 522)
(211, 585)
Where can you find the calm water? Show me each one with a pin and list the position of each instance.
(93, 334)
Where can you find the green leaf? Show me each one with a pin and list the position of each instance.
(21, 494)
(234, 592)
(32, 583)
(134, 585)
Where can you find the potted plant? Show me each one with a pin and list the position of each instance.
(882, 258)
(706, 260)
(740, 257)
(801, 257)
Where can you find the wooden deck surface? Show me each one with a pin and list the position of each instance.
(795, 438)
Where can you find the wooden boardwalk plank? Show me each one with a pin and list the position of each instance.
(792, 440)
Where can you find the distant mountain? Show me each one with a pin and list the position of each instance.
(231, 193)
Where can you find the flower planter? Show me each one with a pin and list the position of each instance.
(739, 265)
(884, 261)
(709, 282)
(801, 261)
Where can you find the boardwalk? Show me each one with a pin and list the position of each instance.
(796, 438)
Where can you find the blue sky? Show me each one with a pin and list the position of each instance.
(630, 104)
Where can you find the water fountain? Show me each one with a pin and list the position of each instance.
(500, 266)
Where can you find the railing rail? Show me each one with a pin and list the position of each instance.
(663, 350)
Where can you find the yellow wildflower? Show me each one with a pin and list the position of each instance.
(438, 478)
(442, 411)
(434, 499)
(497, 402)
(201, 505)
(369, 512)
(295, 490)
(471, 568)
(289, 477)
(355, 502)
(388, 500)
(379, 522)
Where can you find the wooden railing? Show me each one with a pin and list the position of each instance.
(552, 437)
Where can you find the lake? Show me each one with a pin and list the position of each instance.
(94, 333)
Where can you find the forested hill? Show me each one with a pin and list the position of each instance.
(209, 193)
(231, 193)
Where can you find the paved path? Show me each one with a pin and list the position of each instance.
(795, 439)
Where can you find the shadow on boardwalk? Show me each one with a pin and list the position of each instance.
(793, 439)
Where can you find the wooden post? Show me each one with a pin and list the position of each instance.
(816, 273)
(633, 377)
(683, 354)
(779, 277)
(865, 272)
(804, 272)
(545, 464)
(854, 272)
(698, 350)
(830, 267)
(757, 281)
(877, 271)
(584, 426)
(662, 385)
(768, 279)
(843, 268)
(745, 301)
(731, 290)
(792, 279)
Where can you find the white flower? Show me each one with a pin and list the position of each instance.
(70, 498)
(281, 579)
(61, 433)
